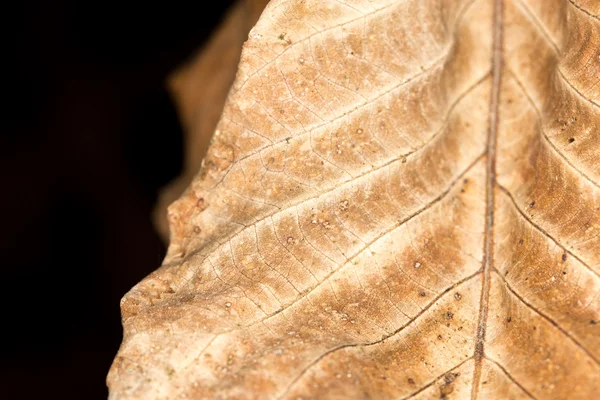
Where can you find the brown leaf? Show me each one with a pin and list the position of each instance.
(199, 89)
(402, 201)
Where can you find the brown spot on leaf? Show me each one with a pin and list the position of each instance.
(447, 387)
(451, 377)
(344, 205)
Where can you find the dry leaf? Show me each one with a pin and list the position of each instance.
(401, 201)
(199, 89)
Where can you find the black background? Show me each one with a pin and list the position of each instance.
(89, 137)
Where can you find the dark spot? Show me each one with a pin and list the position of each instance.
(571, 140)
(465, 180)
(520, 241)
(462, 190)
(281, 36)
(422, 294)
(287, 139)
(411, 381)
(532, 204)
(593, 322)
(460, 328)
(403, 160)
(535, 328)
(457, 296)
(344, 205)
(446, 388)
(564, 272)
(449, 315)
(564, 257)
(484, 382)
(197, 229)
(450, 377)
(439, 337)
(509, 319)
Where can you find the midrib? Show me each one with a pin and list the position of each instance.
(488, 251)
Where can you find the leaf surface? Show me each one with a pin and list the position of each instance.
(401, 200)
(199, 88)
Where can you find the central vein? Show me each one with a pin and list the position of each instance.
(488, 253)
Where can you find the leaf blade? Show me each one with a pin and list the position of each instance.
(342, 231)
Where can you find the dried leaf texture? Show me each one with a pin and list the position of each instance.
(199, 88)
(402, 201)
